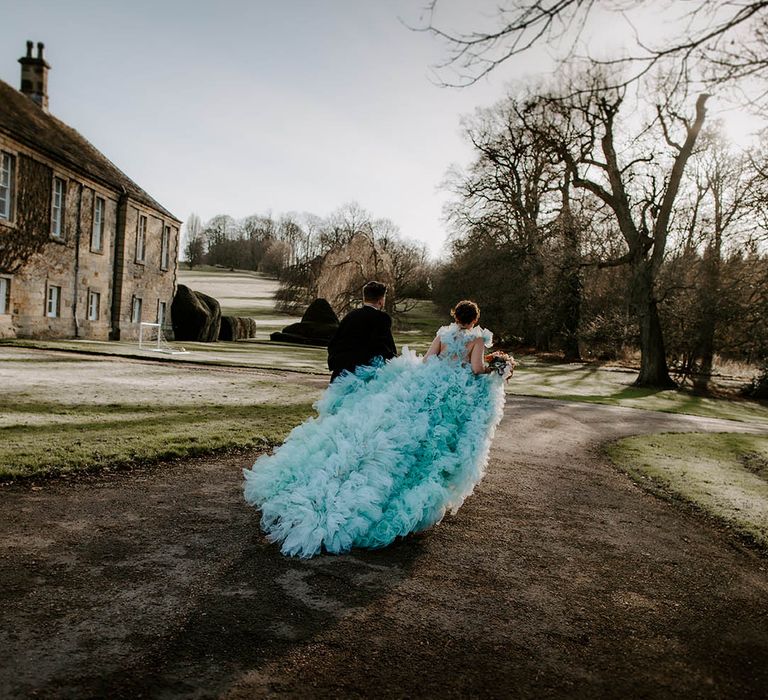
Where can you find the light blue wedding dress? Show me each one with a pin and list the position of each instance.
(394, 446)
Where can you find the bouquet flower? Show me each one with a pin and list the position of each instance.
(501, 363)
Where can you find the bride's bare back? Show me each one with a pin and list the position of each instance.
(472, 350)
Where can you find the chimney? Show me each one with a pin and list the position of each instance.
(34, 75)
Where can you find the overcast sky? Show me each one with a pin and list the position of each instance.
(244, 107)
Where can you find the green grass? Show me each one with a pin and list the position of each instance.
(417, 327)
(723, 474)
(74, 437)
(103, 412)
(574, 382)
(240, 293)
(593, 384)
(256, 354)
(567, 382)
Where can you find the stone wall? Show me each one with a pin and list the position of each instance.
(72, 263)
(145, 279)
(95, 266)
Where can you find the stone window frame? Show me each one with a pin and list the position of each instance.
(58, 235)
(141, 237)
(165, 247)
(13, 157)
(100, 247)
(5, 295)
(162, 312)
(136, 317)
(94, 295)
(55, 313)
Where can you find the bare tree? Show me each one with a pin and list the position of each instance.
(727, 182)
(341, 226)
(410, 267)
(309, 246)
(726, 37)
(638, 187)
(258, 227)
(518, 192)
(290, 232)
(220, 235)
(194, 242)
(570, 285)
(194, 251)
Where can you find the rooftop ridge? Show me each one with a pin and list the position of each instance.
(22, 119)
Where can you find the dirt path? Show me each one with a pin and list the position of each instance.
(558, 578)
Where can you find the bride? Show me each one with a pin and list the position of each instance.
(394, 446)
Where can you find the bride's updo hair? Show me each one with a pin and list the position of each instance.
(465, 312)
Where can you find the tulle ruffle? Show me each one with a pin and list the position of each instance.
(394, 447)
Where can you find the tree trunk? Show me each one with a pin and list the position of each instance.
(705, 345)
(703, 370)
(571, 278)
(709, 307)
(571, 315)
(533, 331)
(653, 359)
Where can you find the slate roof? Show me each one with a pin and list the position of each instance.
(24, 120)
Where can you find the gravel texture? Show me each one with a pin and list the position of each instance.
(559, 577)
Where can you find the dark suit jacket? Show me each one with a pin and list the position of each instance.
(363, 334)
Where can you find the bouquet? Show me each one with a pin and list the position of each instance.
(501, 363)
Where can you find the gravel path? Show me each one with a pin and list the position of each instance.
(558, 578)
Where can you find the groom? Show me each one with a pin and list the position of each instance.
(363, 334)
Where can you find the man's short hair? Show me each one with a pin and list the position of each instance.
(373, 291)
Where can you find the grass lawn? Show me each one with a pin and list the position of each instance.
(240, 293)
(724, 474)
(571, 382)
(257, 354)
(417, 327)
(104, 406)
(595, 384)
(63, 413)
(246, 293)
(125, 434)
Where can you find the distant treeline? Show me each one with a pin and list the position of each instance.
(292, 246)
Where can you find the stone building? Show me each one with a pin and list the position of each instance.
(103, 252)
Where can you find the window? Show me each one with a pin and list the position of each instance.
(161, 313)
(136, 310)
(7, 184)
(94, 303)
(141, 237)
(57, 208)
(97, 233)
(5, 295)
(166, 240)
(53, 307)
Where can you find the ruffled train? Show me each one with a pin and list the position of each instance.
(393, 448)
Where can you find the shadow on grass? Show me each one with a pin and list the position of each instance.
(718, 410)
(37, 360)
(641, 392)
(718, 474)
(122, 435)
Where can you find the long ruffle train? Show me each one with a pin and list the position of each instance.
(393, 448)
